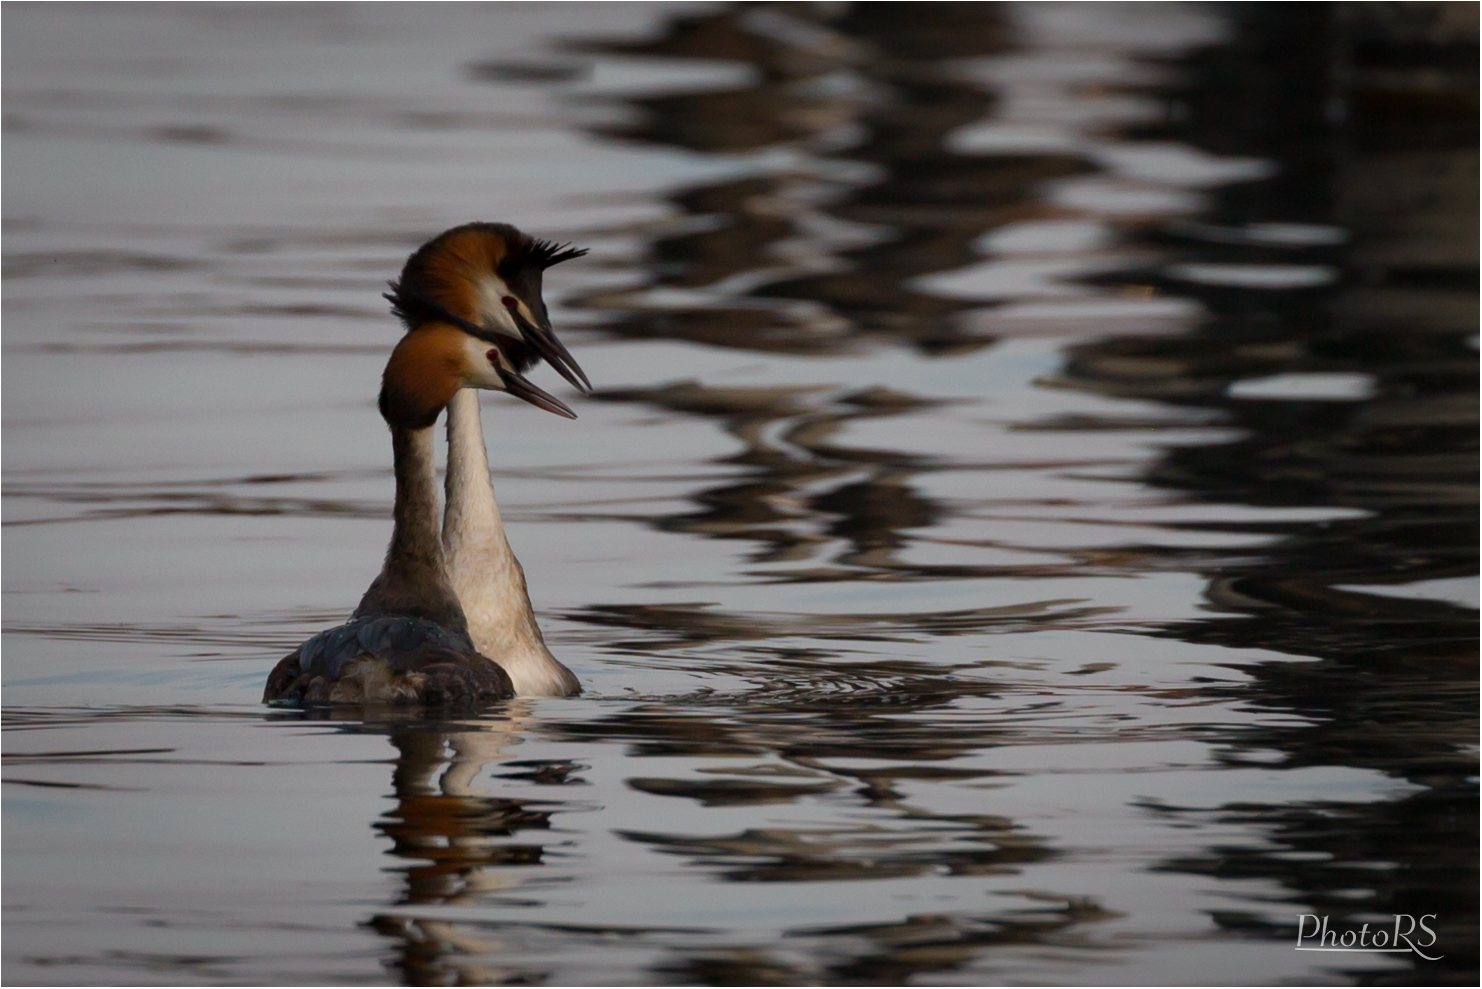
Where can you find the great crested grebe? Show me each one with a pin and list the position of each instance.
(448, 620)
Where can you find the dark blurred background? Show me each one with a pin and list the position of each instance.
(969, 373)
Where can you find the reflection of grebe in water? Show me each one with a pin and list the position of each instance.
(448, 620)
(456, 844)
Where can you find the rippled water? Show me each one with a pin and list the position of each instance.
(1024, 532)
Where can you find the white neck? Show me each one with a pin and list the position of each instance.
(413, 580)
(487, 578)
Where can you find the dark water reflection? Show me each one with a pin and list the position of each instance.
(804, 259)
(460, 848)
(1071, 584)
(1395, 687)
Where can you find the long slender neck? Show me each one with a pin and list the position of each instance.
(414, 580)
(489, 581)
(472, 517)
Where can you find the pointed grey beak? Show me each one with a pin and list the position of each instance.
(544, 342)
(530, 392)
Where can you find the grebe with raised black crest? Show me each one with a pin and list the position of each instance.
(448, 620)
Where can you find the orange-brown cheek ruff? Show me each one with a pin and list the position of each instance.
(450, 269)
(425, 371)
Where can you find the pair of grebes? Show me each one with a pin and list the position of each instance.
(448, 620)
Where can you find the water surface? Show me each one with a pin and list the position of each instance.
(1024, 531)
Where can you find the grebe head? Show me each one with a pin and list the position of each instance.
(471, 301)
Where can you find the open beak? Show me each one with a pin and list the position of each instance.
(521, 388)
(542, 341)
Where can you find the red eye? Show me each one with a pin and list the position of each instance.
(509, 302)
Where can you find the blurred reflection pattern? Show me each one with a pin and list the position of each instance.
(457, 842)
(1394, 687)
(1259, 243)
(1100, 669)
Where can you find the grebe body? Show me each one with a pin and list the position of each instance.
(448, 619)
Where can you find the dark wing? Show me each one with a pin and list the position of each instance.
(439, 666)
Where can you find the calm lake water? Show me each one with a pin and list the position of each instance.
(1025, 530)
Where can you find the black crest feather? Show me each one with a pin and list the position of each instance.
(408, 308)
(540, 254)
(524, 259)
